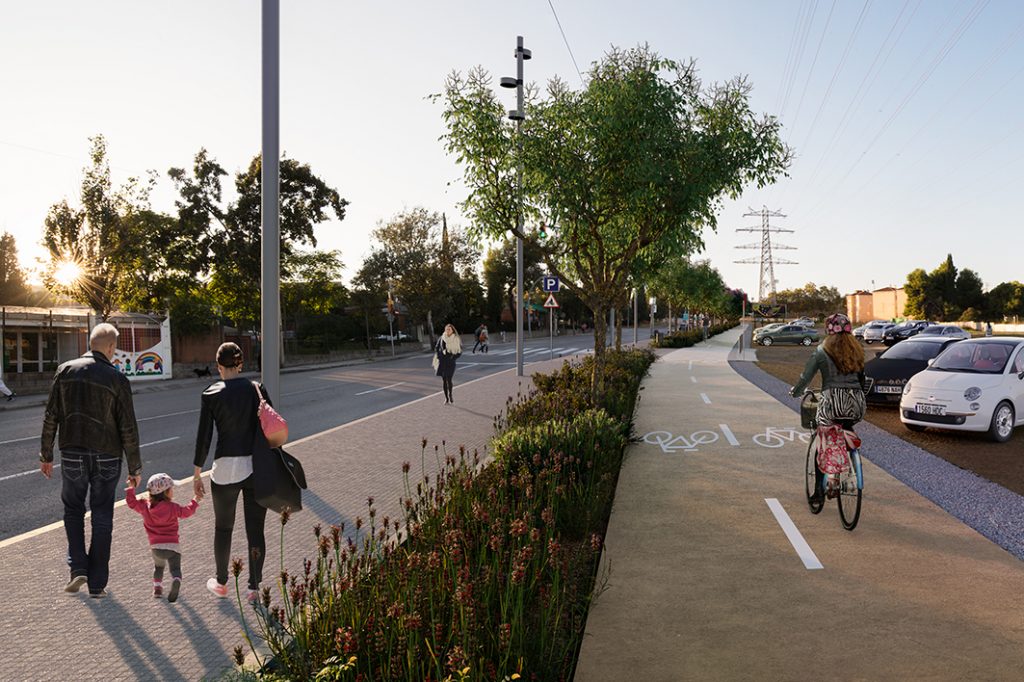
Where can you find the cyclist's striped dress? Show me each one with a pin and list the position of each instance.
(838, 404)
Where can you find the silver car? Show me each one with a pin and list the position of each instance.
(946, 331)
(875, 331)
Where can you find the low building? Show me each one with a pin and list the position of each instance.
(887, 303)
(37, 340)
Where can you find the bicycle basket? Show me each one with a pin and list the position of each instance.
(809, 411)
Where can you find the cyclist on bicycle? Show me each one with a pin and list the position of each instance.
(840, 360)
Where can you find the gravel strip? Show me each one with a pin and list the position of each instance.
(988, 508)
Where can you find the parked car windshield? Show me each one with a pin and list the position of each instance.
(975, 358)
(908, 350)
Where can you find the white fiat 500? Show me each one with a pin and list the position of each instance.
(974, 385)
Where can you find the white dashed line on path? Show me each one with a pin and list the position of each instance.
(693, 379)
(729, 436)
(803, 550)
(705, 398)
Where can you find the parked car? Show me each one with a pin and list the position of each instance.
(974, 385)
(876, 331)
(805, 321)
(790, 333)
(892, 368)
(399, 337)
(947, 331)
(858, 332)
(773, 325)
(903, 331)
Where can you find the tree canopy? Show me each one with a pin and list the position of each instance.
(640, 158)
(12, 280)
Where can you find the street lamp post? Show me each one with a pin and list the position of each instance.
(518, 115)
(635, 324)
(270, 229)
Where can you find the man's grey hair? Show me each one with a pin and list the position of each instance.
(102, 335)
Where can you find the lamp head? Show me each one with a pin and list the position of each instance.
(509, 82)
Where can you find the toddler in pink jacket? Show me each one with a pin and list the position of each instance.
(160, 519)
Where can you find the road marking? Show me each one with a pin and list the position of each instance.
(705, 398)
(693, 379)
(382, 388)
(169, 414)
(727, 432)
(57, 466)
(690, 366)
(18, 440)
(670, 444)
(803, 550)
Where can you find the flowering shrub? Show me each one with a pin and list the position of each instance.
(488, 573)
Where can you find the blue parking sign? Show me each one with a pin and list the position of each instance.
(550, 283)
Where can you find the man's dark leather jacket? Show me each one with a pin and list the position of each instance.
(232, 406)
(91, 406)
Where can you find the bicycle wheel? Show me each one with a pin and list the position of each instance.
(810, 476)
(850, 495)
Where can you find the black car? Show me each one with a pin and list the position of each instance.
(892, 368)
(903, 331)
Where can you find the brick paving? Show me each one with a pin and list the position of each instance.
(130, 635)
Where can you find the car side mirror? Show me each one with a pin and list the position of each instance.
(930, 361)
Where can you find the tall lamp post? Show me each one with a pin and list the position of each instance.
(518, 115)
(270, 228)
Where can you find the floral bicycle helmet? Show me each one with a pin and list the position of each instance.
(838, 323)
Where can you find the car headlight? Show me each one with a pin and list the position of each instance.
(973, 393)
(906, 388)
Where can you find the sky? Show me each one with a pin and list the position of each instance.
(904, 115)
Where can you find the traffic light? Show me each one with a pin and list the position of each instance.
(542, 231)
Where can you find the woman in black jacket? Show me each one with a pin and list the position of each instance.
(231, 404)
(448, 350)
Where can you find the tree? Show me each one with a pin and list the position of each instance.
(222, 241)
(499, 271)
(970, 291)
(640, 158)
(93, 248)
(944, 293)
(1006, 299)
(312, 286)
(812, 300)
(429, 269)
(12, 280)
(695, 286)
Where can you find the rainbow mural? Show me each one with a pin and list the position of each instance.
(149, 363)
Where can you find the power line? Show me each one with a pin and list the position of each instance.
(566, 41)
(817, 53)
(808, 23)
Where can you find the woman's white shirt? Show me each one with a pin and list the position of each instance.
(228, 470)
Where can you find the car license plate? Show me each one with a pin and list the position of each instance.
(888, 389)
(925, 408)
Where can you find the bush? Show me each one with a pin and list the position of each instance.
(489, 573)
(691, 337)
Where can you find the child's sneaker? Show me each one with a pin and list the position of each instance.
(158, 589)
(218, 590)
(172, 596)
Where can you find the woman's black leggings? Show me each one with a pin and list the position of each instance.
(225, 501)
(447, 383)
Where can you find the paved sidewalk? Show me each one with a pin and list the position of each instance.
(129, 635)
(703, 584)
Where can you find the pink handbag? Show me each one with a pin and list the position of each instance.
(832, 443)
(274, 426)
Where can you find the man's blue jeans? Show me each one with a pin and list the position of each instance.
(96, 476)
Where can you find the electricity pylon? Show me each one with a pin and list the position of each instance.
(766, 288)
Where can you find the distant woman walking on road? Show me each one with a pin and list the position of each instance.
(446, 352)
(231, 404)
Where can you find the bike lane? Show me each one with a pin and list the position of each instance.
(703, 581)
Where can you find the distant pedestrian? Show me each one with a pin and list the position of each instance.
(446, 352)
(482, 338)
(476, 337)
(90, 405)
(160, 519)
(706, 323)
(231, 405)
(988, 331)
(4, 391)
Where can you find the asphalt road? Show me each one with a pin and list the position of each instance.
(311, 401)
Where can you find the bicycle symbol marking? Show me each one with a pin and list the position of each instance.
(776, 437)
(670, 443)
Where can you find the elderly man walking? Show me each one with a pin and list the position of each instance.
(91, 406)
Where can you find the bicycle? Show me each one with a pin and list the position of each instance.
(849, 488)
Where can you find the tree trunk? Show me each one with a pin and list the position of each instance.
(618, 331)
(430, 328)
(600, 340)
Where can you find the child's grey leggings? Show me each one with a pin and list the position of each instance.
(162, 557)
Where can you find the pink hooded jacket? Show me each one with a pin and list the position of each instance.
(161, 521)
